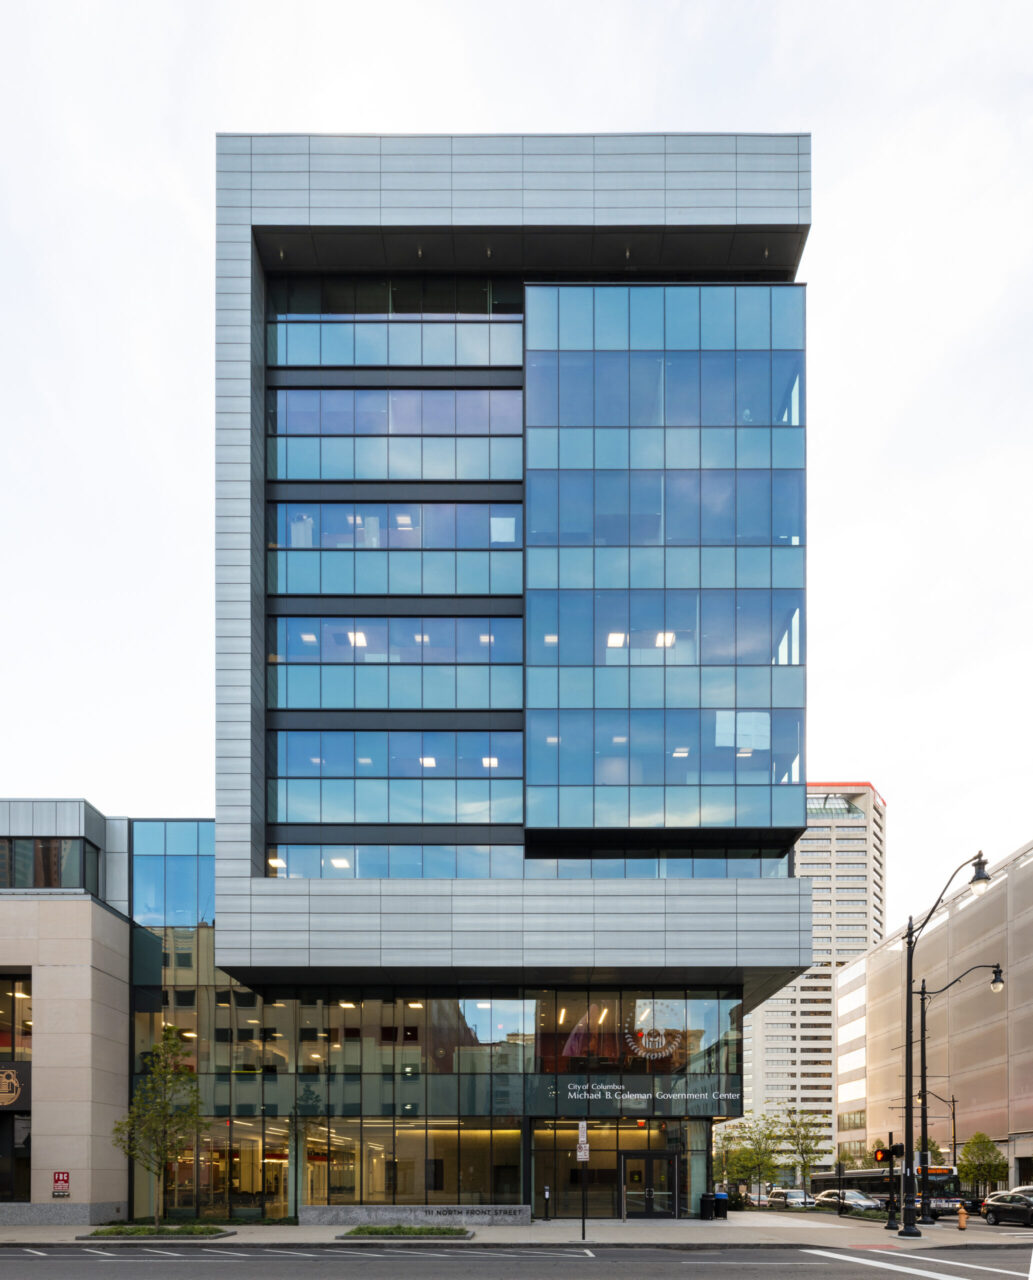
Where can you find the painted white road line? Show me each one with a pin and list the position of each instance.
(226, 1253)
(37, 1252)
(100, 1252)
(946, 1262)
(294, 1253)
(882, 1266)
(167, 1252)
(590, 1253)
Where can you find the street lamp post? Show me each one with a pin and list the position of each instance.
(978, 883)
(996, 986)
(951, 1102)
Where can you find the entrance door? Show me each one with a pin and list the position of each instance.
(651, 1185)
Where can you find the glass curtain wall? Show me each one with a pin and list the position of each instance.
(665, 556)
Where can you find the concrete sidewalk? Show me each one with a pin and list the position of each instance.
(757, 1229)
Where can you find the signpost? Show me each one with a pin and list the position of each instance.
(582, 1155)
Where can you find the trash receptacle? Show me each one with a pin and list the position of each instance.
(721, 1204)
(706, 1207)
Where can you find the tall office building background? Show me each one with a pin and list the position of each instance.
(790, 1053)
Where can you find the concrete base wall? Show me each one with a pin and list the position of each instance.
(58, 1213)
(420, 1215)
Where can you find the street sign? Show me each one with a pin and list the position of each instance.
(582, 1150)
(61, 1187)
(582, 1131)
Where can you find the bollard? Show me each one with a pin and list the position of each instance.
(962, 1218)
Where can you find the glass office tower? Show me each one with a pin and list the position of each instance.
(510, 592)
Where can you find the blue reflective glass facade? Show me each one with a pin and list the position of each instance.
(173, 873)
(665, 534)
(652, 650)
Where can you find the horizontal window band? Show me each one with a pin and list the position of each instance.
(484, 721)
(422, 378)
(550, 842)
(387, 833)
(480, 491)
(394, 606)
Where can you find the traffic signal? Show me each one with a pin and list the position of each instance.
(897, 1150)
(882, 1155)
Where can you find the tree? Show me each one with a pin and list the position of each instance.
(936, 1155)
(980, 1162)
(724, 1147)
(164, 1114)
(754, 1154)
(803, 1137)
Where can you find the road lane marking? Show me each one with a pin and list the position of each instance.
(37, 1252)
(294, 1253)
(226, 1253)
(590, 1253)
(100, 1252)
(946, 1262)
(882, 1266)
(167, 1252)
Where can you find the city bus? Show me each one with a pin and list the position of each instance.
(944, 1186)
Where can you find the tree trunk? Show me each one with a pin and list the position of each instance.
(157, 1199)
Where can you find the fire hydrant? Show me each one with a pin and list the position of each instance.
(962, 1218)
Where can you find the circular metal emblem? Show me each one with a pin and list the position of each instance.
(10, 1088)
(650, 1042)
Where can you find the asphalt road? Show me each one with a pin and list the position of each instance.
(452, 1263)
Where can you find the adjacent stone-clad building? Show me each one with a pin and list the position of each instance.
(980, 1045)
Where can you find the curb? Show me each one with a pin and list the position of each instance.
(404, 1240)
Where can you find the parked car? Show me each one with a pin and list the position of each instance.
(852, 1200)
(1008, 1206)
(755, 1198)
(789, 1198)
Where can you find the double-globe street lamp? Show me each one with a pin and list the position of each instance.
(925, 995)
(978, 884)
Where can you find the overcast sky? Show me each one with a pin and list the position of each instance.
(920, 365)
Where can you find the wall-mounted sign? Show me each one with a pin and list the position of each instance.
(15, 1090)
(701, 1095)
(62, 1185)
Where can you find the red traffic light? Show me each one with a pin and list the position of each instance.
(882, 1155)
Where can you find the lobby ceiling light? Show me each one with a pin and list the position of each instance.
(428, 762)
(615, 640)
(483, 1004)
(551, 639)
(552, 741)
(422, 639)
(487, 639)
(346, 1004)
(562, 1017)
(680, 753)
(277, 862)
(490, 762)
(342, 864)
(415, 1004)
(664, 639)
(602, 1016)
(308, 637)
(618, 741)
(357, 639)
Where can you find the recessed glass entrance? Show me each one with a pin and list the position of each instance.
(650, 1185)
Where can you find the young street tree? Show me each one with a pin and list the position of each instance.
(164, 1114)
(802, 1138)
(981, 1162)
(754, 1154)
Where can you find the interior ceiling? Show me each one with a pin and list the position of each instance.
(771, 253)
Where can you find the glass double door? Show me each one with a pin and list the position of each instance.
(650, 1185)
